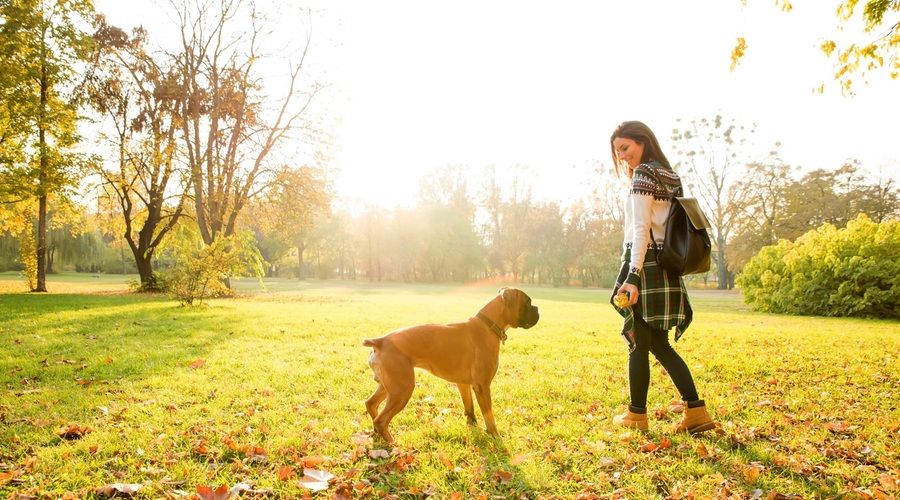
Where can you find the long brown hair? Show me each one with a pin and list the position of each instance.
(641, 134)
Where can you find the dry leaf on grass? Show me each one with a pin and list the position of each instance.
(445, 460)
(839, 427)
(223, 492)
(518, 459)
(111, 490)
(285, 473)
(650, 446)
(312, 461)
(503, 476)
(316, 480)
(6, 477)
(73, 431)
(208, 493)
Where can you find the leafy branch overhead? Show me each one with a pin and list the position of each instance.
(876, 46)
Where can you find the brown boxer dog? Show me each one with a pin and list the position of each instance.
(465, 353)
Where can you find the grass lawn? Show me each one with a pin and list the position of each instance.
(106, 391)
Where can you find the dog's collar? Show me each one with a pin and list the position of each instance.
(493, 326)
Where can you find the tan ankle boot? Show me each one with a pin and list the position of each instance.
(631, 419)
(695, 420)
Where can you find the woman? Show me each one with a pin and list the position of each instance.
(657, 299)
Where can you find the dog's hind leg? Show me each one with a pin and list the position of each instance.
(399, 388)
(375, 400)
(380, 393)
(465, 390)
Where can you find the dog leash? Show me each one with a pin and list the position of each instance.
(493, 326)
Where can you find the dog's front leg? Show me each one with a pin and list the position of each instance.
(465, 390)
(483, 395)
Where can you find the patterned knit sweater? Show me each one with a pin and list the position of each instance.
(647, 208)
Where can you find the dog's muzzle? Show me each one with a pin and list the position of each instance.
(529, 317)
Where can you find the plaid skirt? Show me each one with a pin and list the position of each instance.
(662, 299)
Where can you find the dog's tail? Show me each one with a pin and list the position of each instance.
(373, 343)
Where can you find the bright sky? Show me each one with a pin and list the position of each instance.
(543, 83)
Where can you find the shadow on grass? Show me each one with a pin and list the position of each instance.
(88, 336)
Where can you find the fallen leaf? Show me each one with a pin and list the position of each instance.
(6, 477)
(649, 447)
(606, 462)
(312, 461)
(362, 439)
(256, 454)
(504, 476)
(444, 460)
(753, 471)
(200, 363)
(207, 493)
(626, 437)
(285, 473)
(888, 483)
(316, 480)
(239, 488)
(111, 490)
(837, 427)
(73, 431)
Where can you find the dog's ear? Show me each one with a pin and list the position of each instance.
(506, 294)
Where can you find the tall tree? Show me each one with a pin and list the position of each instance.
(140, 99)
(450, 224)
(766, 186)
(234, 120)
(507, 201)
(605, 227)
(42, 44)
(549, 253)
(371, 230)
(299, 197)
(711, 149)
(837, 197)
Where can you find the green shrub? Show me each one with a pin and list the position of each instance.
(158, 282)
(829, 272)
(204, 272)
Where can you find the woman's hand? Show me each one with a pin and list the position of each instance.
(632, 292)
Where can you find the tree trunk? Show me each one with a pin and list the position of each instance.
(41, 284)
(301, 272)
(144, 262)
(721, 265)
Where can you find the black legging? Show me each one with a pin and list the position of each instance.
(646, 340)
